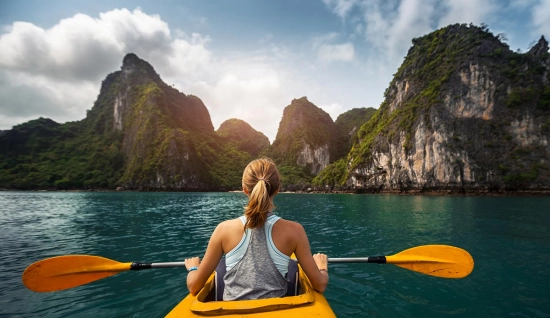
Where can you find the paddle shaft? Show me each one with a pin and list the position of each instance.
(135, 266)
(370, 259)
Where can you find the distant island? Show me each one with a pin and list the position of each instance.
(463, 115)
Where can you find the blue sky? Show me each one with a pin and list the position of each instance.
(244, 59)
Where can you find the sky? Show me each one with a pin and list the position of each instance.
(245, 59)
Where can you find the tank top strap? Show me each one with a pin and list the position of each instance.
(281, 260)
(243, 219)
(271, 219)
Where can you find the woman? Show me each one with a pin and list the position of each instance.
(258, 245)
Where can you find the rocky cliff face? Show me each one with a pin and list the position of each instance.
(140, 134)
(307, 137)
(462, 113)
(160, 127)
(316, 159)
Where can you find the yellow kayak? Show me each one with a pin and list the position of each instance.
(308, 303)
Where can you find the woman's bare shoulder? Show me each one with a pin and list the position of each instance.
(291, 226)
(230, 224)
(289, 223)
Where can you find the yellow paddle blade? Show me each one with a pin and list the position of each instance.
(435, 260)
(62, 272)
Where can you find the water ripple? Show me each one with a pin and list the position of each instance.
(166, 227)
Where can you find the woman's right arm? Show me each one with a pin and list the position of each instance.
(315, 267)
(212, 256)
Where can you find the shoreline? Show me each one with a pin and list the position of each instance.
(442, 192)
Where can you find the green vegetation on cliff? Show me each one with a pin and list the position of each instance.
(42, 154)
(336, 174)
(459, 85)
(435, 77)
(243, 136)
(140, 134)
(349, 123)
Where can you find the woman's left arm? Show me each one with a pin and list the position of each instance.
(315, 267)
(212, 256)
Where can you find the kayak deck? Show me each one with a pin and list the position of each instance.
(309, 303)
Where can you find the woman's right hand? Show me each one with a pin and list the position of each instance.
(192, 262)
(321, 261)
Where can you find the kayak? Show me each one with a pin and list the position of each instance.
(308, 303)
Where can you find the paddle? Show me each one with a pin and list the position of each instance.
(435, 260)
(63, 272)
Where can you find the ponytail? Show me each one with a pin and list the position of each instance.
(261, 182)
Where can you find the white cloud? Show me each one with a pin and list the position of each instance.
(56, 72)
(541, 12)
(388, 27)
(341, 7)
(188, 58)
(392, 24)
(466, 11)
(412, 20)
(23, 95)
(340, 52)
(522, 4)
(327, 51)
(334, 110)
(81, 47)
(326, 38)
(251, 89)
(258, 101)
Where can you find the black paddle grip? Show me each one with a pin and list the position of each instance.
(136, 266)
(377, 259)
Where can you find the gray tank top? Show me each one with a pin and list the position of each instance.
(255, 276)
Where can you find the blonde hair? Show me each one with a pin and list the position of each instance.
(261, 183)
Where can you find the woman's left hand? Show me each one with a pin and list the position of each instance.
(192, 262)
(321, 261)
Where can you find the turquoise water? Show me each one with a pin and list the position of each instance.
(508, 237)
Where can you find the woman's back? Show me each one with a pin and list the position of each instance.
(251, 269)
(261, 183)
